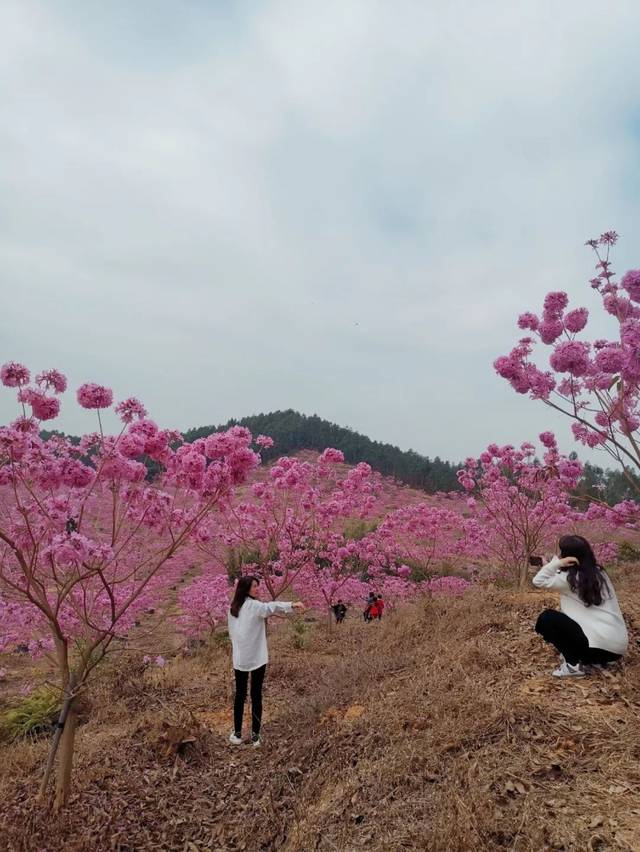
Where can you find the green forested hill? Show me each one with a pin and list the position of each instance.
(292, 432)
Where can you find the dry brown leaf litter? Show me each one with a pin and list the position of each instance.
(438, 729)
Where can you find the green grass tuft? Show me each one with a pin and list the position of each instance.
(32, 715)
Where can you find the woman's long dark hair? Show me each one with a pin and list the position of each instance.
(241, 593)
(587, 578)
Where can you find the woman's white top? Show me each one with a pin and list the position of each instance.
(248, 633)
(603, 625)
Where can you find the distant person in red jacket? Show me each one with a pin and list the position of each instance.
(379, 606)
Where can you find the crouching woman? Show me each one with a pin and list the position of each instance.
(589, 630)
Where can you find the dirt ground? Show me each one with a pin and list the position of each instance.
(439, 728)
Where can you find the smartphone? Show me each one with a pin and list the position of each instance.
(536, 561)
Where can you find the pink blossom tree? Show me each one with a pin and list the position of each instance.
(447, 585)
(596, 383)
(419, 538)
(87, 544)
(290, 527)
(204, 604)
(518, 505)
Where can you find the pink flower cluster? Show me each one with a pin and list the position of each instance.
(610, 359)
(14, 375)
(211, 465)
(264, 441)
(130, 409)
(576, 320)
(52, 380)
(523, 376)
(554, 304)
(588, 436)
(43, 407)
(331, 456)
(94, 396)
(631, 283)
(72, 550)
(597, 384)
(572, 356)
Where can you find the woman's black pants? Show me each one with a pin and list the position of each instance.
(257, 679)
(568, 638)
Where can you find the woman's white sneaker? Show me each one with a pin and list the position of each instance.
(235, 740)
(567, 670)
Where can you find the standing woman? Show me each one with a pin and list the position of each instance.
(589, 629)
(247, 631)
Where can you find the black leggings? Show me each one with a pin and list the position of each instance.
(568, 638)
(257, 679)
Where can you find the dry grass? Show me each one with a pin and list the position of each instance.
(438, 729)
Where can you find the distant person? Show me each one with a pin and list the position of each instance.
(589, 630)
(370, 601)
(339, 610)
(374, 612)
(247, 631)
(379, 606)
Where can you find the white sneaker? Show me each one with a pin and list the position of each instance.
(235, 740)
(257, 743)
(567, 670)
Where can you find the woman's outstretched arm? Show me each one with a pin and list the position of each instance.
(274, 607)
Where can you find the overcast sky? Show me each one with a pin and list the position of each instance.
(337, 206)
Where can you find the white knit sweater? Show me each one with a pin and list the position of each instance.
(603, 625)
(248, 633)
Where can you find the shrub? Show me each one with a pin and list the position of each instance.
(627, 552)
(301, 634)
(221, 638)
(33, 715)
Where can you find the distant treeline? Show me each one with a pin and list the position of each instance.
(610, 486)
(293, 432)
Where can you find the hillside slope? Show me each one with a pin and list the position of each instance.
(439, 729)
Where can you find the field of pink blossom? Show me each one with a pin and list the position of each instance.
(118, 555)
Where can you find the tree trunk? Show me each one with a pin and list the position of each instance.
(60, 727)
(523, 574)
(67, 742)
